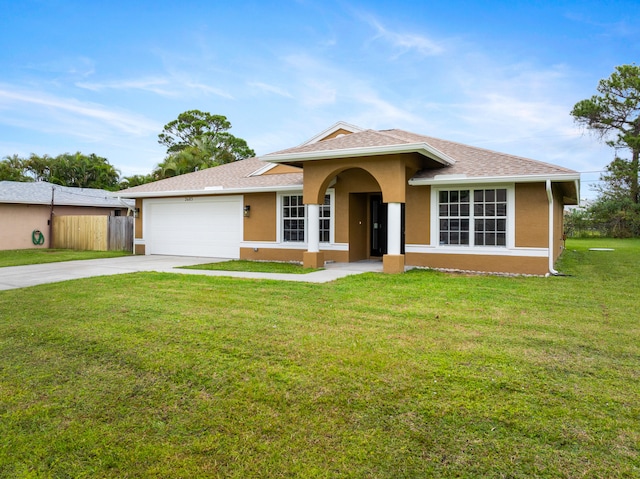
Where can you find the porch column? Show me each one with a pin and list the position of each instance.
(313, 258)
(393, 261)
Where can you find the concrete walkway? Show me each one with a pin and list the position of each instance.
(14, 277)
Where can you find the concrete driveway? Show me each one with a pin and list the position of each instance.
(14, 277)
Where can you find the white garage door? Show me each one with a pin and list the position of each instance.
(194, 226)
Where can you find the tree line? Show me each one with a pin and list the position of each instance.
(195, 140)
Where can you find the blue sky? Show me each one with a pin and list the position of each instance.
(104, 77)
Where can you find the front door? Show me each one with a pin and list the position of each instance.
(378, 211)
(378, 223)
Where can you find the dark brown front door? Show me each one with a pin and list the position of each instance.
(378, 215)
(378, 211)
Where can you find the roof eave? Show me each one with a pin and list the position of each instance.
(421, 148)
(56, 203)
(463, 179)
(212, 190)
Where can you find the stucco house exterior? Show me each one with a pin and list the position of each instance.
(28, 207)
(350, 194)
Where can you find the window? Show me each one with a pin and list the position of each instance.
(490, 217)
(454, 217)
(325, 220)
(473, 217)
(294, 216)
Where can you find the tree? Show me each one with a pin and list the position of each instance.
(75, 170)
(198, 140)
(12, 168)
(135, 180)
(39, 167)
(614, 115)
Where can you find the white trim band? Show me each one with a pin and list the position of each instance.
(293, 245)
(476, 251)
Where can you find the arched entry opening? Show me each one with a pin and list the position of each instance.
(369, 209)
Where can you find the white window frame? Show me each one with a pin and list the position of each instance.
(435, 217)
(283, 219)
(280, 219)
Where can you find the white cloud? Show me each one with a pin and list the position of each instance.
(270, 89)
(147, 84)
(379, 113)
(42, 111)
(404, 42)
(201, 87)
(170, 87)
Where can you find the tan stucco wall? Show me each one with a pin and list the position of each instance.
(283, 169)
(484, 263)
(138, 221)
(336, 134)
(17, 222)
(417, 215)
(532, 216)
(390, 172)
(261, 223)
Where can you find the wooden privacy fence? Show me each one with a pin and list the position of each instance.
(96, 233)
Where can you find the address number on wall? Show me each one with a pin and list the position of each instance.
(189, 198)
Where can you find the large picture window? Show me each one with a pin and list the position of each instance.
(294, 217)
(473, 217)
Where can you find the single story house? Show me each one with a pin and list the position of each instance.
(28, 207)
(351, 194)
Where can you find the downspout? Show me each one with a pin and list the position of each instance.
(53, 191)
(551, 235)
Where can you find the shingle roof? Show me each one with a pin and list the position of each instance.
(39, 193)
(479, 162)
(367, 138)
(470, 161)
(231, 176)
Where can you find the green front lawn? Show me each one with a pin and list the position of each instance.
(22, 257)
(422, 374)
(254, 266)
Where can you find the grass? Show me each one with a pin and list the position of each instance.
(255, 266)
(422, 374)
(37, 256)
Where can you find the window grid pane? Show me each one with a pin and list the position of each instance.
(325, 220)
(454, 213)
(490, 223)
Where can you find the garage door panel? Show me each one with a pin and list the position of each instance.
(198, 227)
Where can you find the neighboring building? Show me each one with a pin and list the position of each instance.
(26, 208)
(350, 194)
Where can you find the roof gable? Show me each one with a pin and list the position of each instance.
(336, 130)
(364, 143)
